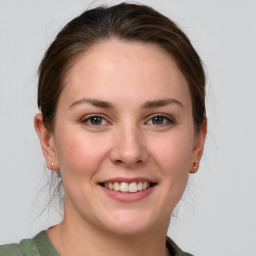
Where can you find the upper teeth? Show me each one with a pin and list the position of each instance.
(127, 187)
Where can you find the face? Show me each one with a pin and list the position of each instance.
(124, 122)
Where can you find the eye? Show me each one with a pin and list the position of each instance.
(160, 120)
(95, 120)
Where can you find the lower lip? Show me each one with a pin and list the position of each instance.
(128, 197)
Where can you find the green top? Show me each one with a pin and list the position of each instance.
(40, 245)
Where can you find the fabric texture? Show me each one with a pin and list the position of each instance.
(40, 245)
(174, 249)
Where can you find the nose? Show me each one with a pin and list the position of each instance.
(129, 149)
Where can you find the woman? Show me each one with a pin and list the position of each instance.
(121, 94)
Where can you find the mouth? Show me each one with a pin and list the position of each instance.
(128, 187)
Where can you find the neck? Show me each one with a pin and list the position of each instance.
(71, 238)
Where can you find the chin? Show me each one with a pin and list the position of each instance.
(125, 229)
(131, 223)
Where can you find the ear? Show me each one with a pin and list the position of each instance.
(47, 142)
(198, 147)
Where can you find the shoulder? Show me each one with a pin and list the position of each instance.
(10, 250)
(25, 247)
(174, 249)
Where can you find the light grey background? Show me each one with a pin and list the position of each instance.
(217, 215)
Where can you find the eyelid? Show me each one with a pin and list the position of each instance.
(169, 118)
(88, 117)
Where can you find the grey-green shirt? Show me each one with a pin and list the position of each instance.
(40, 245)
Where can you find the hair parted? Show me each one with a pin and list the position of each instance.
(128, 22)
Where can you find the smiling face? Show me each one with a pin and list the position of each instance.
(124, 122)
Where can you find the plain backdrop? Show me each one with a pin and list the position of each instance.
(217, 215)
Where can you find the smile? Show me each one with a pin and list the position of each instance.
(132, 187)
(128, 189)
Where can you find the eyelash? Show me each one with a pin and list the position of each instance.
(166, 119)
(90, 118)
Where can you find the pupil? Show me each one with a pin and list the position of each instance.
(96, 120)
(158, 120)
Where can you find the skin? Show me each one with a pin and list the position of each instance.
(126, 142)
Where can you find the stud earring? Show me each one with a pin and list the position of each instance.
(52, 164)
(195, 165)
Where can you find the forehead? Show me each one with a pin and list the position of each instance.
(121, 68)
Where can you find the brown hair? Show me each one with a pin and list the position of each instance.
(129, 22)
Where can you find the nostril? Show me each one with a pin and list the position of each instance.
(128, 163)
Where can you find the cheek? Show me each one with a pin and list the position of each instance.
(80, 154)
(173, 153)
(172, 156)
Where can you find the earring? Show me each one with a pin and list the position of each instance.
(195, 166)
(57, 171)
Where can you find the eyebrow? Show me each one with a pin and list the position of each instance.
(94, 102)
(147, 104)
(161, 103)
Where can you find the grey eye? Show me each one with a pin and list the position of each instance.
(158, 120)
(96, 120)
